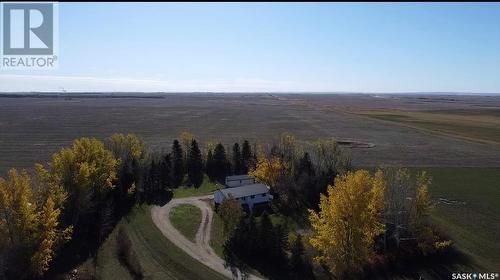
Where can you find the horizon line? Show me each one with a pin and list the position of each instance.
(257, 92)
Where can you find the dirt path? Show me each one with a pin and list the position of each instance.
(200, 250)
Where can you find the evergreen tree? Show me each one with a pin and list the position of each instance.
(237, 160)
(209, 165)
(246, 155)
(248, 236)
(126, 178)
(154, 177)
(259, 245)
(280, 244)
(305, 180)
(177, 164)
(300, 267)
(253, 162)
(266, 235)
(239, 247)
(195, 165)
(166, 171)
(221, 165)
(137, 171)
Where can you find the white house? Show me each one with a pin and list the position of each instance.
(250, 196)
(239, 180)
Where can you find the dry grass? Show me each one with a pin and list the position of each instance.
(476, 125)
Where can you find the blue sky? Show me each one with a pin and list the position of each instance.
(390, 47)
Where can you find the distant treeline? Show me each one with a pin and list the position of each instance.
(79, 95)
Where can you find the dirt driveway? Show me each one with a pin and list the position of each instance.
(200, 250)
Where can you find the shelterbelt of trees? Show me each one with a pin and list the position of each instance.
(56, 215)
(356, 217)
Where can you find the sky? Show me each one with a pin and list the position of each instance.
(272, 47)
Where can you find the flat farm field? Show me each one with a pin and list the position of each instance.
(33, 127)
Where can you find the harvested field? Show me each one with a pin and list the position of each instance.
(33, 127)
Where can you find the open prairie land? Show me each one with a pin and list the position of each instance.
(31, 129)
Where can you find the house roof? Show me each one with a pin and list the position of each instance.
(246, 190)
(238, 177)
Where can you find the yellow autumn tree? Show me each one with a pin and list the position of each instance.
(86, 171)
(419, 224)
(17, 209)
(49, 236)
(423, 204)
(348, 221)
(87, 164)
(268, 170)
(29, 227)
(126, 147)
(44, 187)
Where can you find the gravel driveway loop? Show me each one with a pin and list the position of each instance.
(200, 250)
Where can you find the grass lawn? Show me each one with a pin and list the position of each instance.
(159, 258)
(475, 225)
(206, 187)
(186, 219)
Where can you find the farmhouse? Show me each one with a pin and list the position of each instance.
(251, 196)
(239, 180)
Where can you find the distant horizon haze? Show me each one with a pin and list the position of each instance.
(152, 93)
(272, 47)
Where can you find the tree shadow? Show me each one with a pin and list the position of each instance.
(435, 266)
(157, 198)
(84, 245)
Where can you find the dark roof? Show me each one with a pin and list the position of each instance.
(246, 190)
(238, 177)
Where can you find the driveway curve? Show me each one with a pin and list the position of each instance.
(200, 249)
